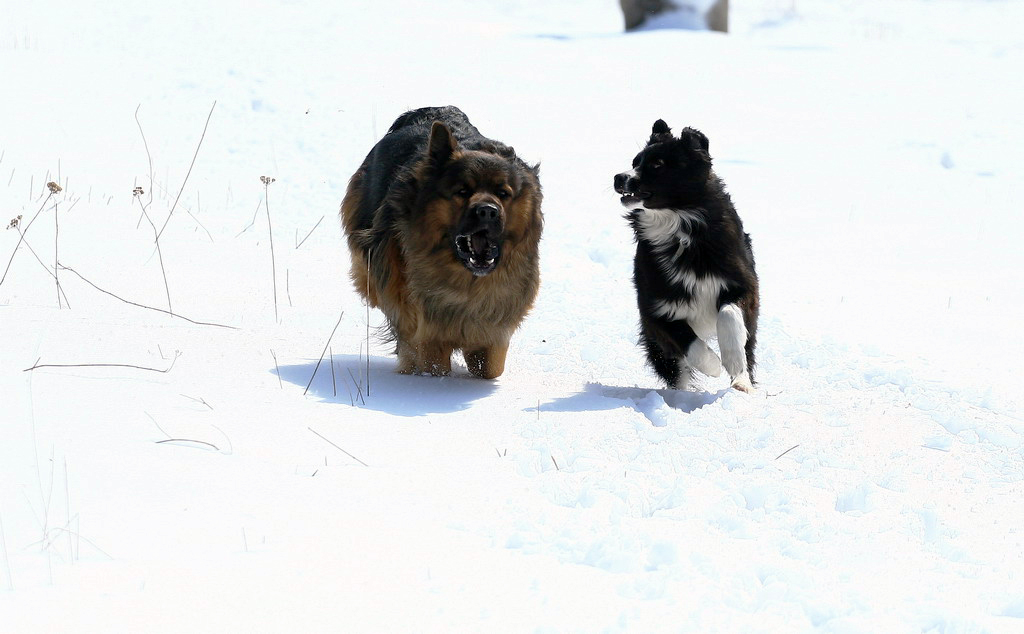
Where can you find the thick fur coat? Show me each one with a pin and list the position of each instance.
(443, 226)
(694, 266)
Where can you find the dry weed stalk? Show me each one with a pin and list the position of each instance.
(267, 180)
(187, 174)
(38, 365)
(326, 345)
(337, 447)
(159, 310)
(137, 195)
(22, 238)
(55, 188)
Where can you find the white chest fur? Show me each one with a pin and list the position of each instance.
(668, 231)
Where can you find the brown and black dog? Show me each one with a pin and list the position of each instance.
(443, 226)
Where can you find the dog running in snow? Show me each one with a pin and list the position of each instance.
(443, 226)
(694, 266)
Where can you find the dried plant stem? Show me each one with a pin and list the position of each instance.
(270, 231)
(149, 158)
(160, 254)
(7, 561)
(786, 451)
(198, 442)
(187, 174)
(310, 232)
(22, 238)
(56, 245)
(278, 368)
(359, 390)
(174, 314)
(334, 381)
(103, 365)
(67, 511)
(337, 447)
(47, 269)
(253, 221)
(326, 345)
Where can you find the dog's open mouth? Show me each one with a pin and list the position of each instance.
(478, 252)
(632, 199)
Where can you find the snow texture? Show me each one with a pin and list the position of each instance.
(873, 483)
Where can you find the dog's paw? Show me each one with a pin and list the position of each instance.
(742, 383)
(703, 359)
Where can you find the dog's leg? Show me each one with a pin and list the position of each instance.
(406, 358)
(434, 358)
(732, 339)
(487, 362)
(665, 365)
(700, 357)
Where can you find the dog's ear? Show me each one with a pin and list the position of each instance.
(441, 145)
(697, 142)
(660, 132)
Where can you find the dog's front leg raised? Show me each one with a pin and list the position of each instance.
(732, 337)
(487, 362)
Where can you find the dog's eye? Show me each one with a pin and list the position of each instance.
(658, 164)
(465, 192)
(503, 194)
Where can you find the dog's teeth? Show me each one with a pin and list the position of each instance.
(490, 262)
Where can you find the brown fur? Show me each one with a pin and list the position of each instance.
(405, 265)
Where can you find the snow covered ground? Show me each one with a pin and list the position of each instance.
(873, 484)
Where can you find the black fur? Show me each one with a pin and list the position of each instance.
(396, 156)
(674, 174)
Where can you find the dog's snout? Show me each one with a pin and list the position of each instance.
(626, 182)
(486, 212)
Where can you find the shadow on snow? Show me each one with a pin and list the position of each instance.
(597, 397)
(398, 394)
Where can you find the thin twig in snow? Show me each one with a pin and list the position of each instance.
(156, 240)
(323, 353)
(359, 390)
(337, 447)
(22, 238)
(159, 310)
(198, 400)
(187, 174)
(56, 250)
(278, 368)
(7, 561)
(266, 180)
(259, 204)
(334, 381)
(38, 366)
(199, 442)
(47, 269)
(786, 451)
(310, 232)
(67, 510)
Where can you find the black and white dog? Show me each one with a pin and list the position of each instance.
(694, 267)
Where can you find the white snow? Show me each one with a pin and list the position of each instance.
(872, 484)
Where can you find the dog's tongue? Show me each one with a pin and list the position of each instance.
(478, 242)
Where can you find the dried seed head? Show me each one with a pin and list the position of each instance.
(54, 187)
(15, 222)
(137, 191)
(266, 180)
